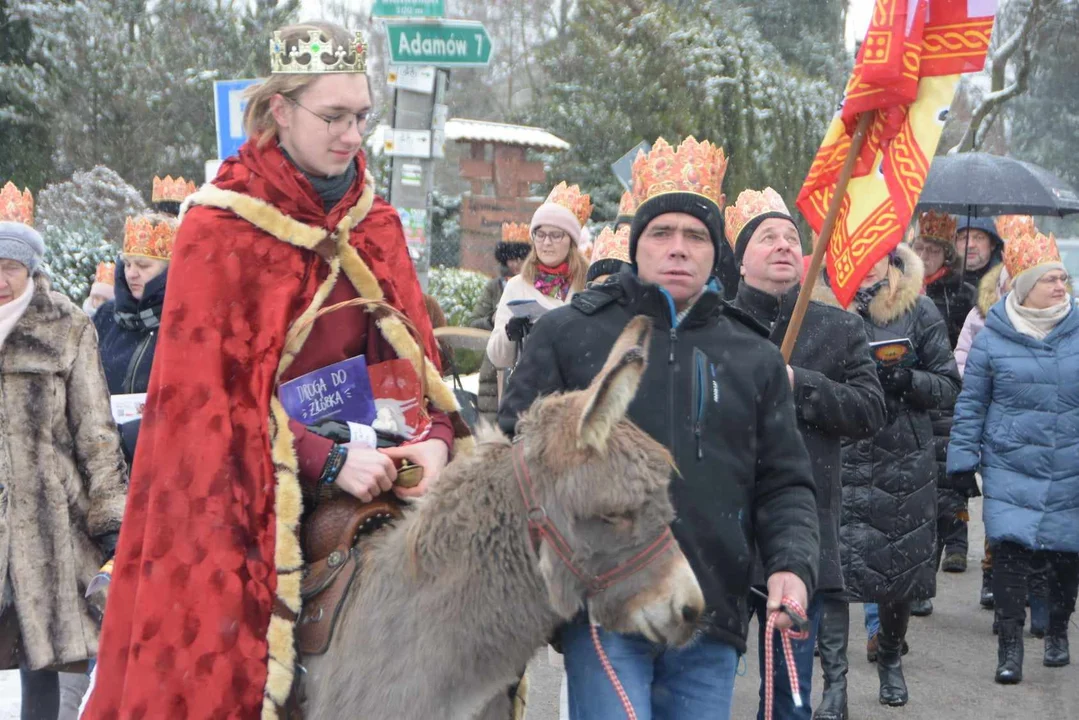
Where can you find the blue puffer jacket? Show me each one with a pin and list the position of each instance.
(1017, 420)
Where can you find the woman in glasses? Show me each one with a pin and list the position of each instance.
(202, 605)
(551, 274)
(1017, 423)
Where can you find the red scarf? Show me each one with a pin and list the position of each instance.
(553, 281)
(943, 272)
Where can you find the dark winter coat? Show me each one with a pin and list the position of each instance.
(127, 337)
(483, 317)
(836, 395)
(716, 394)
(889, 481)
(127, 334)
(954, 300)
(1017, 421)
(62, 479)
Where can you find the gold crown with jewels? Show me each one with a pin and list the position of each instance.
(571, 198)
(106, 273)
(751, 204)
(519, 233)
(934, 225)
(145, 238)
(693, 167)
(316, 55)
(612, 245)
(169, 190)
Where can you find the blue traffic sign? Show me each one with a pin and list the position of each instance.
(229, 105)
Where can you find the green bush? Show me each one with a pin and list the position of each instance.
(457, 292)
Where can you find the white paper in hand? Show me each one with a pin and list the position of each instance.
(126, 408)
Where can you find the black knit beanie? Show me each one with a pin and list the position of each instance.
(744, 235)
(677, 202)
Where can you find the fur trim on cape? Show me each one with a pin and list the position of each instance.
(885, 308)
(988, 295)
(342, 258)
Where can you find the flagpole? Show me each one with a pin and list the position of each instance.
(806, 293)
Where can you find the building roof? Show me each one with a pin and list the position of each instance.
(461, 130)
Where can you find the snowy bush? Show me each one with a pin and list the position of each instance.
(99, 196)
(457, 291)
(72, 253)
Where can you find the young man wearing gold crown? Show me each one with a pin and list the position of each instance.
(206, 591)
(836, 395)
(716, 393)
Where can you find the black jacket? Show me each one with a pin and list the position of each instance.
(127, 338)
(954, 300)
(836, 394)
(888, 531)
(716, 394)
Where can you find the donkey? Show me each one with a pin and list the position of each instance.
(454, 600)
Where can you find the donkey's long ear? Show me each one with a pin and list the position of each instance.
(608, 397)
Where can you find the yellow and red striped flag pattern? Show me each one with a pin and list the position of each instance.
(906, 74)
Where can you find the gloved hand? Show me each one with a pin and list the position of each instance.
(965, 483)
(518, 327)
(333, 430)
(896, 380)
(107, 543)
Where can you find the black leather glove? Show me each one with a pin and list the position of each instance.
(107, 543)
(517, 328)
(333, 430)
(896, 380)
(965, 483)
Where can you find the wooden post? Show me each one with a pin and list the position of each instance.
(806, 293)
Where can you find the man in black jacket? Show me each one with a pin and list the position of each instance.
(716, 393)
(836, 395)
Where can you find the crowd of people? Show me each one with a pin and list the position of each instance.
(839, 477)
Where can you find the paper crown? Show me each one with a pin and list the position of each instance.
(1028, 248)
(169, 190)
(571, 198)
(937, 226)
(751, 204)
(1014, 226)
(612, 245)
(145, 238)
(16, 206)
(627, 206)
(106, 273)
(316, 55)
(695, 167)
(518, 233)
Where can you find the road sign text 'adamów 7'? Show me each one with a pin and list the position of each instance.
(445, 43)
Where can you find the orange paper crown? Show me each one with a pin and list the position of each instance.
(612, 245)
(145, 238)
(169, 190)
(571, 198)
(1015, 226)
(751, 204)
(627, 206)
(695, 167)
(516, 233)
(106, 273)
(934, 225)
(16, 206)
(1028, 249)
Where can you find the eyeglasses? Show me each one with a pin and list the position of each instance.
(337, 125)
(552, 238)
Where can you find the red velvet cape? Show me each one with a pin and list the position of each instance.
(206, 581)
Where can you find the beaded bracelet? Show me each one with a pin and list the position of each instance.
(334, 462)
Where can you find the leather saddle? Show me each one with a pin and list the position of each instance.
(330, 539)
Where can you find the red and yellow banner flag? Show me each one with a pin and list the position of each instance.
(905, 74)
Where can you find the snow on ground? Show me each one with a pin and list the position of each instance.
(10, 695)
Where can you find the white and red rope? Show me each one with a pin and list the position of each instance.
(785, 637)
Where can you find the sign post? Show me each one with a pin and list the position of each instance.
(229, 106)
(445, 43)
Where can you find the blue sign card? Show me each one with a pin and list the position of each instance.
(341, 391)
(229, 105)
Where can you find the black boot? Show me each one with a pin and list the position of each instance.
(986, 597)
(832, 642)
(894, 620)
(1056, 650)
(921, 608)
(1010, 652)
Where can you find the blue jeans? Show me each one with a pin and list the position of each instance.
(803, 661)
(872, 619)
(691, 683)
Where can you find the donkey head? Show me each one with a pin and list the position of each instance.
(603, 483)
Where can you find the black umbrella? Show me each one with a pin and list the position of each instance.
(979, 185)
